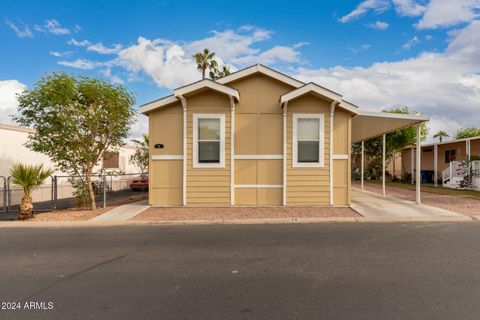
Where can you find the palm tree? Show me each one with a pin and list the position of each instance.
(142, 143)
(440, 135)
(29, 178)
(224, 72)
(205, 60)
(140, 157)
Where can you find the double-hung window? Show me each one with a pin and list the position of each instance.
(209, 140)
(308, 140)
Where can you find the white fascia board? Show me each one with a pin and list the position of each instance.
(157, 104)
(388, 115)
(262, 69)
(310, 87)
(207, 84)
(348, 106)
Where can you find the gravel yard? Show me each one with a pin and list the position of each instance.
(213, 213)
(466, 206)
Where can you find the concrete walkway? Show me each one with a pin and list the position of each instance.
(370, 204)
(123, 213)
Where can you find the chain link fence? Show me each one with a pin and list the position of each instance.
(65, 192)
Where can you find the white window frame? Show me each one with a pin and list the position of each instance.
(196, 117)
(321, 135)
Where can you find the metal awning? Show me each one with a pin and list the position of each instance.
(367, 125)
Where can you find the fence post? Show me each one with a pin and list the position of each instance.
(54, 187)
(4, 194)
(104, 191)
(9, 195)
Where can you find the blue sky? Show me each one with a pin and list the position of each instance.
(377, 53)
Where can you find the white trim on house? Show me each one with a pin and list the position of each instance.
(196, 117)
(321, 135)
(232, 150)
(184, 149)
(167, 157)
(284, 175)
(332, 114)
(340, 157)
(450, 141)
(150, 106)
(311, 87)
(264, 70)
(258, 157)
(207, 83)
(258, 186)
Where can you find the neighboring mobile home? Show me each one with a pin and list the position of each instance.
(440, 160)
(257, 138)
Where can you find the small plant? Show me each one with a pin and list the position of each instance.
(406, 177)
(80, 193)
(29, 178)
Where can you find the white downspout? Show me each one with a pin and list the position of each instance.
(284, 196)
(232, 151)
(184, 169)
(332, 112)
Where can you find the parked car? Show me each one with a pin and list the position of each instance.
(139, 184)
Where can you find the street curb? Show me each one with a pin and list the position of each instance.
(90, 223)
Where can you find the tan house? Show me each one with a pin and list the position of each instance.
(257, 138)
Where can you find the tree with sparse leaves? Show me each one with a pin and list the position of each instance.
(140, 157)
(76, 120)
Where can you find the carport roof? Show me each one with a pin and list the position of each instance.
(367, 125)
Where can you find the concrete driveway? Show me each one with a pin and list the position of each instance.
(370, 204)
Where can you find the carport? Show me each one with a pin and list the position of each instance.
(368, 125)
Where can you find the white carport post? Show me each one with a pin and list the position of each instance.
(383, 163)
(418, 166)
(362, 163)
(467, 148)
(412, 165)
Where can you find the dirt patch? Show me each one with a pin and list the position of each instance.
(466, 206)
(85, 214)
(175, 214)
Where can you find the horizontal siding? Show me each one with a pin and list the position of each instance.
(308, 186)
(208, 186)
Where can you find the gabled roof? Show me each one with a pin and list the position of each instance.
(205, 83)
(264, 70)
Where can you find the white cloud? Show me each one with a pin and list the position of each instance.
(410, 8)
(139, 127)
(170, 64)
(8, 98)
(79, 64)
(166, 64)
(411, 43)
(52, 26)
(24, 32)
(77, 43)
(363, 47)
(60, 54)
(445, 86)
(443, 13)
(101, 49)
(364, 7)
(379, 25)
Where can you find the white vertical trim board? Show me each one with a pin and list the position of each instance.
(184, 165)
(196, 117)
(232, 150)
(332, 113)
(321, 147)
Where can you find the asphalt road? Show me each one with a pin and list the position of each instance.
(318, 271)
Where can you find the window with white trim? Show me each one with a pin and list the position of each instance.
(308, 140)
(209, 140)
